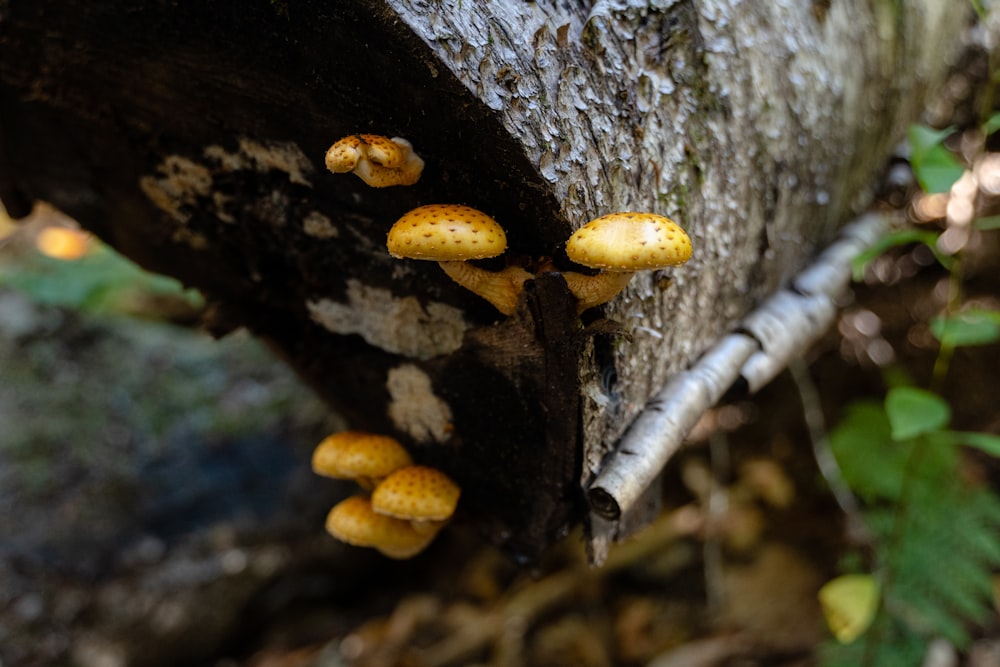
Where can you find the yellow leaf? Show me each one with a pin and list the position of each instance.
(849, 605)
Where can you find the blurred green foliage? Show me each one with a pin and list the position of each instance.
(935, 532)
(99, 281)
(935, 167)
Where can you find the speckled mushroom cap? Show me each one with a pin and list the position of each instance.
(629, 242)
(352, 520)
(358, 455)
(446, 232)
(387, 152)
(417, 493)
(343, 155)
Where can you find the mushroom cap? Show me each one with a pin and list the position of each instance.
(387, 152)
(379, 161)
(629, 242)
(344, 154)
(358, 455)
(417, 493)
(352, 520)
(446, 232)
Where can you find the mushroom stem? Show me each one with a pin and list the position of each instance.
(427, 527)
(500, 288)
(592, 291)
(368, 483)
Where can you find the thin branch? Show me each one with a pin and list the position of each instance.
(792, 320)
(717, 507)
(812, 413)
(657, 433)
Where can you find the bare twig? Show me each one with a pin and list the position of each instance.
(717, 507)
(812, 413)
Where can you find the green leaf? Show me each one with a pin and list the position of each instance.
(849, 604)
(987, 223)
(913, 412)
(935, 167)
(986, 442)
(971, 327)
(991, 125)
(923, 138)
(898, 238)
(870, 462)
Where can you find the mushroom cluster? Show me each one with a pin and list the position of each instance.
(619, 244)
(408, 504)
(378, 161)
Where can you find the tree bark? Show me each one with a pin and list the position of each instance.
(191, 137)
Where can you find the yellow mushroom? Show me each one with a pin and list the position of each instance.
(378, 161)
(355, 522)
(424, 496)
(364, 457)
(451, 234)
(343, 156)
(620, 244)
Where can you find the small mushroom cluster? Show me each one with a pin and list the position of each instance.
(378, 161)
(407, 505)
(619, 244)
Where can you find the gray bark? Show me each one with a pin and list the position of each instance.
(754, 124)
(192, 140)
(758, 126)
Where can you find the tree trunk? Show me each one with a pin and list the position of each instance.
(191, 137)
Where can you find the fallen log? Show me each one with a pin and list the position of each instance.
(192, 138)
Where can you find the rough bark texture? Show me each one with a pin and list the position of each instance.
(191, 137)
